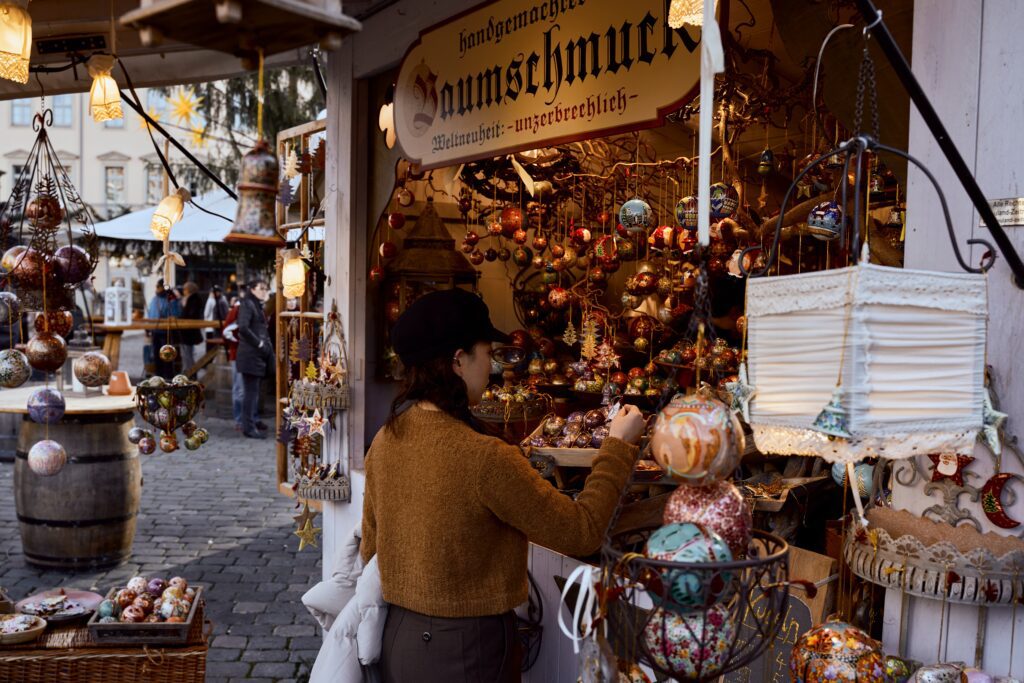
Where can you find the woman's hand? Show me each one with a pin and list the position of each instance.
(628, 425)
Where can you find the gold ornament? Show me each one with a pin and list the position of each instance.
(307, 535)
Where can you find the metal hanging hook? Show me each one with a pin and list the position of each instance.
(876, 22)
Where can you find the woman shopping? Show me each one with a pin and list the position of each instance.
(449, 511)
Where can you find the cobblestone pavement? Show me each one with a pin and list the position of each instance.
(214, 517)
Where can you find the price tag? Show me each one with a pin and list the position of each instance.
(1009, 212)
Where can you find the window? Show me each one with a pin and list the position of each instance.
(62, 114)
(114, 123)
(21, 112)
(114, 184)
(154, 183)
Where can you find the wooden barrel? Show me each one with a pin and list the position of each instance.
(84, 516)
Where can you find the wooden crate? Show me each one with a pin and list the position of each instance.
(120, 633)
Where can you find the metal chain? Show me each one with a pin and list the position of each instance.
(866, 82)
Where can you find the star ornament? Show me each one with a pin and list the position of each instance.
(742, 393)
(949, 466)
(304, 516)
(185, 106)
(307, 535)
(993, 421)
(316, 423)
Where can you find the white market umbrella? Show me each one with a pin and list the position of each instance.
(194, 226)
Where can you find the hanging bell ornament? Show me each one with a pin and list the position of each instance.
(766, 163)
(825, 221)
(832, 418)
(256, 220)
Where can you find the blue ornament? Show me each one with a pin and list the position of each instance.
(635, 215)
(46, 406)
(864, 473)
(686, 212)
(724, 201)
(690, 543)
(766, 163)
(825, 221)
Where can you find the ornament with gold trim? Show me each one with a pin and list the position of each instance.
(837, 651)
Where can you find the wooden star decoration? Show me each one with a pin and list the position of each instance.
(949, 466)
(742, 393)
(307, 535)
(993, 421)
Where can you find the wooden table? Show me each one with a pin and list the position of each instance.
(112, 333)
(16, 401)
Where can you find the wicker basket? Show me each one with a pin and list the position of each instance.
(337, 489)
(322, 397)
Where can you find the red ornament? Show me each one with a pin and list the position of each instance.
(521, 339)
(392, 310)
(44, 211)
(581, 237)
(557, 251)
(686, 239)
(465, 204)
(619, 378)
(491, 255)
(466, 247)
(504, 254)
(642, 284)
(660, 237)
(519, 236)
(511, 219)
(559, 298)
(949, 466)
(597, 276)
(396, 220)
(376, 274)
(30, 268)
(388, 250)
(716, 266)
(472, 238)
(642, 326)
(540, 242)
(635, 373)
(603, 218)
(494, 229)
(476, 257)
(538, 262)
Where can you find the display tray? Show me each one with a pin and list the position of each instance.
(121, 633)
(560, 457)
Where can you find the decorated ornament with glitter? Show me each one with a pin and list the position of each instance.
(697, 440)
(825, 221)
(46, 406)
(46, 351)
(686, 212)
(724, 201)
(693, 645)
(14, 368)
(689, 543)
(92, 369)
(635, 215)
(718, 507)
(47, 458)
(836, 651)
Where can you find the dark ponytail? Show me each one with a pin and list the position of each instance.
(434, 381)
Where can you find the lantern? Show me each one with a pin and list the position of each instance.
(15, 42)
(686, 12)
(293, 273)
(169, 212)
(117, 308)
(906, 346)
(256, 220)
(104, 96)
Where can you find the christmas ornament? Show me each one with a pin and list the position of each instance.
(14, 368)
(635, 215)
(836, 651)
(11, 257)
(580, 237)
(724, 201)
(661, 237)
(519, 236)
(46, 351)
(863, 473)
(559, 298)
(949, 466)
(540, 242)
(686, 213)
(10, 308)
(92, 369)
(494, 229)
(147, 445)
(46, 458)
(405, 197)
(504, 254)
(388, 250)
(491, 255)
(689, 544)
(993, 420)
(396, 220)
(472, 238)
(57, 322)
(476, 257)
(832, 421)
(992, 501)
(46, 406)
(72, 264)
(168, 352)
(307, 535)
(376, 274)
(522, 257)
(741, 393)
(693, 645)
(696, 439)
(511, 220)
(717, 507)
(825, 221)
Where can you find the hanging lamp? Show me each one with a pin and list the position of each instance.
(15, 42)
(104, 95)
(169, 212)
(293, 273)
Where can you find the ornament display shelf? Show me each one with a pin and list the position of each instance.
(955, 564)
(751, 596)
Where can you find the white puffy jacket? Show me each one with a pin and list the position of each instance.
(350, 605)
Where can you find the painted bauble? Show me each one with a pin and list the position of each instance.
(836, 651)
(697, 440)
(180, 583)
(181, 411)
(10, 308)
(825, 221)
(202, 435)
(504, 254)
(625, 249)
(570, 257)
(92, 369)
(30, 268)
(147, 445)
(135, 435)
(396, 220)
(642, 284)
(691, 645)
(686, 240)
(522, 256)
(540, 242)
(156, 587)
(559, 298)
(14, 368)
(192, 443)
(46, 458)
(173, 607)
(189, 428)
(718, 507)
(168, 442)
(137, 584)
(46, 406)
(387, 250)
(72, 264)
(511, 220)
(597, 276)
(686, 212)
(581, 237)
(519, 236)
(376, 274)
(161, 417)
(494, 229)
(641, 345)
(689, 543)
(472, 238)
(635, 215)
(491, 255)
(133, 614)
(466, 247)
(57, 322)
(108, 608)
(724, 201)
(44, 211)
(11, 257)
(165, 399)
(598, 436)
(476, 257)
(144, 601)
(661, 237)
(538, 262)
(899, 670)
(168, 353)
(557, 251)
(593, 419)
(642, 326)
(864, 474)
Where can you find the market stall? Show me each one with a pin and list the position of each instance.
(581, 218)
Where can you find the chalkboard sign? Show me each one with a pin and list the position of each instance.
(773, 665)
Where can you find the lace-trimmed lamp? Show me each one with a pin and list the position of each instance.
(907, 347)
(104, 95)
(15, 42)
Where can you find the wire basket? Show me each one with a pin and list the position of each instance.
(706, 619)
(168, 406)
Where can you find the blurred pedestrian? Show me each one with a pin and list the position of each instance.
(216, 309)
(255, 356)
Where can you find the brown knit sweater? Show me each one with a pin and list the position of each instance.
(448, 513)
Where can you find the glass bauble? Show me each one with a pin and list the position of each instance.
(46, 351)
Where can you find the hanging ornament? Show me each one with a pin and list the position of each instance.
(559, 298)
(376, 274)
(724, 201)
(949, 466)
(14, 368)
(588, 348)
(992, 500)
(47, 458)
(405, 197)
(766, 163)
(691, 645)
(540, 241)
(46, 351)
(519, 236)
(491, 255)
(825, 221)
(511, 220)
(291, 165)
(832, 419)
(476, 257)
(168, 353)
(742, 393)
(697, 440)
(92, 369)
(635, 215)
(569, 337)
(307, 535)
(46, 406)
(504, 254)
(522, 257)
(993, 421)
(690, 544)
(256, 219)
(285, 194)
(388, 250)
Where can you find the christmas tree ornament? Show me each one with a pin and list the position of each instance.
(511, 220)
(307, 535)
(718, 507)
(168, 353)
(72, 264)
(472, 238)
(396, 220)
(519, 236)
(504, 254)
(724, 201)
(832, 420)
(476, 257)
(540, 241)
(291, 164)
(10, 308)
(46, 351)
(494, 229)
(388, 250)
(635, 215)
(836, 651)
(522, 256)
(992, 500)
(766, 162)
(697, 440)
(46, 406)
(688, 543)
(825, 221)
(405, 197)
(14, 368)
(992, 421)
(47, 458)
(11, 257)
(693, 645)
(285, 193)
(491, 255)
(57, 322)
(949, 466)
(569, 337)
(256, 219)
(686, 213)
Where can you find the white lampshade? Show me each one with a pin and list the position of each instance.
(293, 274)
(104, 96)
(912, 348)
(169, 212)
(15, 42)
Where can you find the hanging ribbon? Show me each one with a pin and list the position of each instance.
(712, 61)
(583, 613)
(169, 259)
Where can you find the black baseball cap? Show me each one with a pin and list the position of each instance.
(440, 323)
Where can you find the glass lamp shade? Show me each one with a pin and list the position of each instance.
(104, 96)
(15, 42)
(688, 12)
(169, 212)
(293, 274)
